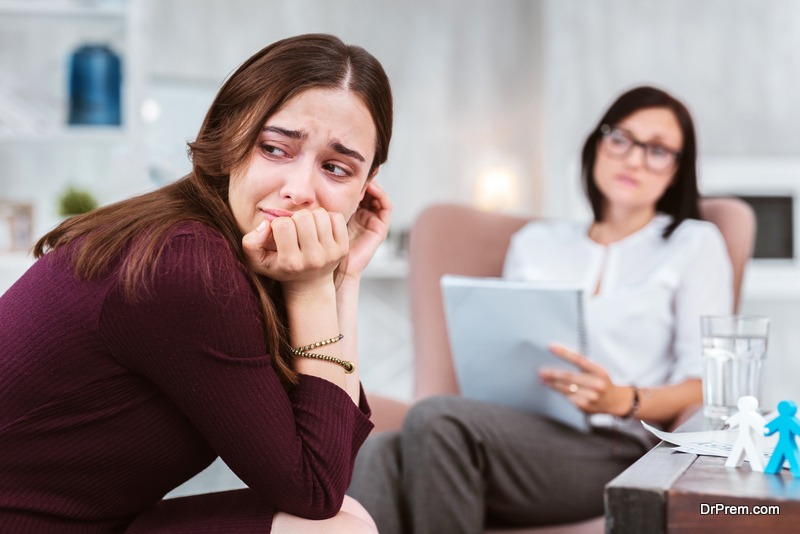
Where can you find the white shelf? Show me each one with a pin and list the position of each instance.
(771, 280)
(92, 134)
(58, 8)
(46, 154)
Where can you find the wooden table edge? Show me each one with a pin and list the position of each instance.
(636, 500)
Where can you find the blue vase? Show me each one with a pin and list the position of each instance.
(95, 84)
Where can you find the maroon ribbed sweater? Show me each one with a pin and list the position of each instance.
(106, 405)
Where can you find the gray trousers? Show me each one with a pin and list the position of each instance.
(460, 465)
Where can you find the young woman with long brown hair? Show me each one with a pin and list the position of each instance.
(158, 333)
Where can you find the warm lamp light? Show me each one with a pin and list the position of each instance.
(497, 188)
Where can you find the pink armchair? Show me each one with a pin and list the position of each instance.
(461, 240)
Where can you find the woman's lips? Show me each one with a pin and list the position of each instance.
(271, 215)
(627, 181)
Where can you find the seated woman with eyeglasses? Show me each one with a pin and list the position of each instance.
(649, 269)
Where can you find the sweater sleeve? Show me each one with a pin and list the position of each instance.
(202, 344)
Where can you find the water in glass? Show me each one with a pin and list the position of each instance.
(732, 368)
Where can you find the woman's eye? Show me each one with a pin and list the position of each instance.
(275, 151)
(335, 170)
(618, 138)
(658, 151)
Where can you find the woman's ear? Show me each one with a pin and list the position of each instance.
(366, 184)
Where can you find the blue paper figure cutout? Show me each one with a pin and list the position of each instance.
(787, 426)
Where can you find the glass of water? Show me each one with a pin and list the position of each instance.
(734, 348)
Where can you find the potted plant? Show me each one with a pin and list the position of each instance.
(75, 201)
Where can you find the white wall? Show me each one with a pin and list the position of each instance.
(734, 63)
(465, 75)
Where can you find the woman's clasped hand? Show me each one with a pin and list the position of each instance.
(308, 246)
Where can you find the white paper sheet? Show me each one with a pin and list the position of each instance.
(712, 442)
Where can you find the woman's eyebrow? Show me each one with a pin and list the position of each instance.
(293, 134)
(301, 135)
(663, 142)
(343, 150)
(656, 138)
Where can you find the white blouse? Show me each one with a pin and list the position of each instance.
(643, 326)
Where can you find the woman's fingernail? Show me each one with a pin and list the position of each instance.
(261, 227)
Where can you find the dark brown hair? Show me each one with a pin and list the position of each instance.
(681, 199)
(136, 230)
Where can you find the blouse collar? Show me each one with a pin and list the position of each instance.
(655, 227)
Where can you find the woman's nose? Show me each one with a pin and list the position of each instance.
(298, 187)
(637, 156)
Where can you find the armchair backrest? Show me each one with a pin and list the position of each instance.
(451, 239)
(736, 221)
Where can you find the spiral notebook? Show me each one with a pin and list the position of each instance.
(499, 333)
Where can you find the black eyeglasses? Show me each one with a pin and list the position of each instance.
(618, 143)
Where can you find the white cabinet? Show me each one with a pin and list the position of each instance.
(37, 38)
(40, 155)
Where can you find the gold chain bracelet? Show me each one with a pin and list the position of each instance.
(319, 344)
(348, 366)
(303, 351)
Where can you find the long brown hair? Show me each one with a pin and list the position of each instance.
(135, 231)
